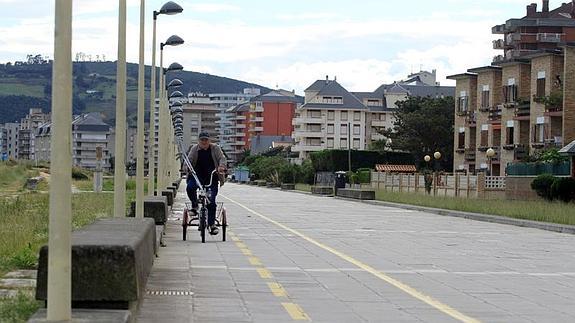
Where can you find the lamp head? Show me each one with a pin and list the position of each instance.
(176, 94)
(175, 83)
(170, 8)
(437, 155)
(490, 152)
(427, 158)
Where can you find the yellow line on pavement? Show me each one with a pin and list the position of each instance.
(255, 261)
(295, 312)
(246, 252)
(235, 239)
(277, 289)
(446, 309)
(264, 273)
(241, 245)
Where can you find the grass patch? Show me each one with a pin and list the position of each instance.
(19, 308)
(542, 211)
(22, 89)
(13, 176)
(108, 185)
(24, 224)
(303, 187)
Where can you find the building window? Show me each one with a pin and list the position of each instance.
(356, 129)
(330, 129)
(510, 136)
(314, 127)
(539, 133)
(510, 93)
(357, 116)
(461, 141)
(496, 137)
(331, 115)
(484, 137)
(344, 115)
(314, 142)
(343, 129)
(382, 116)
(356, 143)
(343, 143)
(485, 98)
(329, 142)
(314, 114)
(462, 104)
(540, 87)
(373, 103)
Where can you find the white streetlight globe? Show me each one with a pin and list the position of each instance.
(427, 158)
(437, 155)
(490, 152)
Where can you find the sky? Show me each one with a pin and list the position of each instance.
(284, 44)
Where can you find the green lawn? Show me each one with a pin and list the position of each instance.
(13, 177)
(22, 89)
(542, 211)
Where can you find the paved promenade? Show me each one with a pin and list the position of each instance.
(295, 257)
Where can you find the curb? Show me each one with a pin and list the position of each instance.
(553, 227)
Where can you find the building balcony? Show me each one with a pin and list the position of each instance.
(302, 121)
(523, 110)
(549, 37)
(460, 150)
(257, 109)
(378, 123)
(520, 152)
(498, 30)
(499, 44)
(470, 154)
(484, 108)
(238, 126)
(462, 112)
(311, 134)
(257, 119)
(238, 143)
(239, 118)
(495, 113)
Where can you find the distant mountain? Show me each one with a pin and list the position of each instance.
(26, 86)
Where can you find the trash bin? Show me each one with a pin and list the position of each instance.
(339, 180)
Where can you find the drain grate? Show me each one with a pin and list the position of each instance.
(169, 292)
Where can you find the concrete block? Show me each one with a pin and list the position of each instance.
(88, 315)
(169, 194)
(111, 261)
(322, 190)
(174, 189)
(155, 207)
(358, 194)
(288, 187)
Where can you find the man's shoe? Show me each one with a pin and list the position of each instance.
(214, 230)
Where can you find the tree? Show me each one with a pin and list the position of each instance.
(422, 126)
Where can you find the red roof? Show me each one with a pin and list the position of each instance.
(396, 168)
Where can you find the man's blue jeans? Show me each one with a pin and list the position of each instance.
(192, 188)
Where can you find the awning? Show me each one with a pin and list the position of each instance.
(569, 149)
(396, 168)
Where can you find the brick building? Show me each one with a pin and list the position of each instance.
(517, 106)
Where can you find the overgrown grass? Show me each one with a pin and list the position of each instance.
(542, 211)
(108, 185)
(19, 308)
(13, 176)
(24, 224)
(303, 187)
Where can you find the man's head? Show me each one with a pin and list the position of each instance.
(204, 140)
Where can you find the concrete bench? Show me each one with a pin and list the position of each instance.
(358, 194)
(88, 315)
(322, 190)
(155, 207)
(169, 194)
(111, 261)
(288, 187)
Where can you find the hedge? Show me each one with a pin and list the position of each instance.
(337, 160)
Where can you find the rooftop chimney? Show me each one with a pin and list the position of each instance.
(545, 6)
(531, 10)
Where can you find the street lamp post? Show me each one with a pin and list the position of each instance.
(140, 131)
(490, 153)
(163, 142)
(59, 303)
(169, 8)
(120, 150)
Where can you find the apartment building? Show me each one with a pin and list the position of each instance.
(517, 107)
(239, 128)
(12, 134)
(225, 101)
(334, 118)
(538, 30)
(3, 143)
(28, 126)
(198, 117)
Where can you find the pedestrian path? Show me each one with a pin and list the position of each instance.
(294, 257)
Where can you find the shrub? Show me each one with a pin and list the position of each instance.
(289, 173)
(78, 174)
(542, 185)
(307, 173)
(26, 258)
(563, 188)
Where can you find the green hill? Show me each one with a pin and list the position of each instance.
(24, 86)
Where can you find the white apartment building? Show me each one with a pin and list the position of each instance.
(198, 117)
(334, 118)
(224, 101)
(12, 135)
